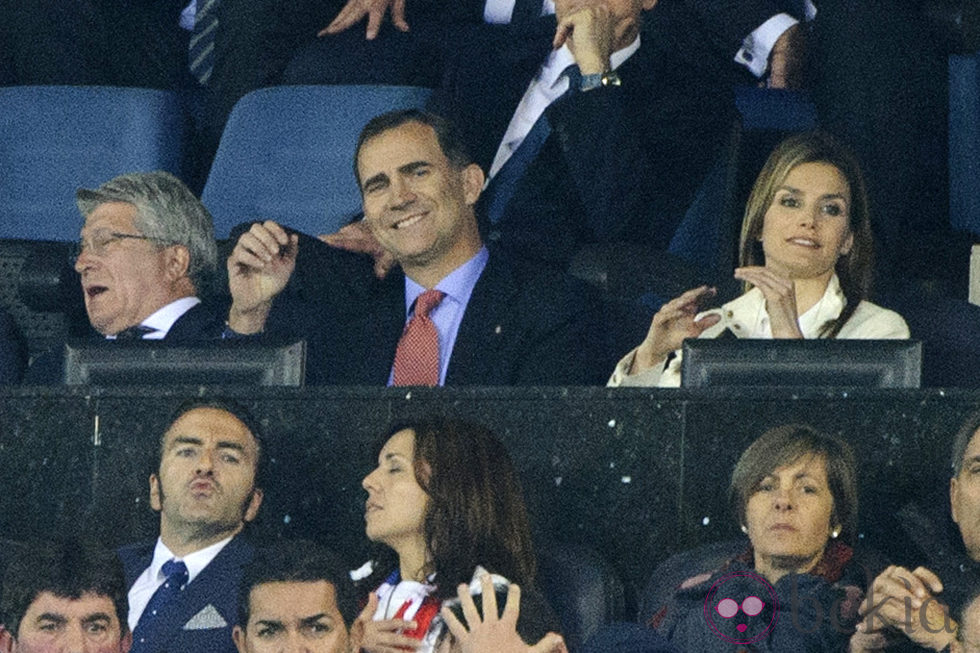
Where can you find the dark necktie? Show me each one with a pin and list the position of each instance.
(201, 53)
(135, 332)
(417, 355)
(145, 633)
(504, 184)
(526, 11)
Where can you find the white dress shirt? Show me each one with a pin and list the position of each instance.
(163, 319)
(754, 53)
(546, 87)
(152, 577)
(499, 12)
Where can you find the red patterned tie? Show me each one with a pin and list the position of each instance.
(417, 356)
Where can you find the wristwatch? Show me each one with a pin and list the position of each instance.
(595, 80)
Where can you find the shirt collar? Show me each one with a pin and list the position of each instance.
(457, 285)
(560, 59)
(196, 561)
(164, 318)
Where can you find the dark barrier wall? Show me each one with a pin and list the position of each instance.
(634, 474)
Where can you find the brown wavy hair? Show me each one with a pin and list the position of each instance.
(854, 269)
(476, 513)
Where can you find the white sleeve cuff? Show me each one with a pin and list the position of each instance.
(648, 378)
(754, 53)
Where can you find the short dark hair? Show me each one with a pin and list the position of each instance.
(969, 427)
(297, 561)
(67, 570)
(450, 138)
(234, 408)
(476, 513)
(784, 445)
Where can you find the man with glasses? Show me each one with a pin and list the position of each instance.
(146, 253)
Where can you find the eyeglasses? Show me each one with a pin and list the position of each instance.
(98, 242)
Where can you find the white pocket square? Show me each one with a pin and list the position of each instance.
(206, 619)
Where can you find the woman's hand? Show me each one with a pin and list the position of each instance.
(380, 636)
(906, 602)
(671, 325)
(493, 633)
(780, 294)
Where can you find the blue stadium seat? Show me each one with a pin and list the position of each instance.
(55, 139)
(287, 155)
(964, 142)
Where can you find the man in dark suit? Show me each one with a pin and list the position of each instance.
(496, 323)
(63, 597)
(145, 253)
(183, 592)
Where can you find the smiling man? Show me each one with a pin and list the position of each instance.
(61, 598)
(145, 252)
(457, 313)
(184, 587)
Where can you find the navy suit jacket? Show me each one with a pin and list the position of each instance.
(204, 321)
(621, 163)
(522, 326)
(214, 589)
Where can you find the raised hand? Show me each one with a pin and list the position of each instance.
(671, 325)
(258, 269)
(590, 30)
(355, 11)
(357, 237)
(494, 633)
(780, 294)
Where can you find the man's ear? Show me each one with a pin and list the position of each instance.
(953, 494)
(252, 509)
(6, 640)
(238, 636)
(126, 642)
(155, 497)
(178, 261)
(473, 179)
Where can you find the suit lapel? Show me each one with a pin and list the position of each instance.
(487, 327)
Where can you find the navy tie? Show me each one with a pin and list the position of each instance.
(135, 332)
(504, 184)
(526, 11)
(201, 54)
(145, 632)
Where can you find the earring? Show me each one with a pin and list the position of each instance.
(745, 529)
(834, 533)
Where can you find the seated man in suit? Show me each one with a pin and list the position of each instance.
(591, 129)
(458, 314)
(65, 597)
(183, 588)
(145, 253)
(914, 604)
(146, 256)
(295, 594)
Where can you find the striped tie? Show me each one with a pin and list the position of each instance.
(201, 54)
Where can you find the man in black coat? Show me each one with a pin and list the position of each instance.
(497, 323)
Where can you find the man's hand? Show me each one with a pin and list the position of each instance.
(591, 32)
(493, 633)
(258, 269)
(355, 11)
(357, 237)
(787, 60)
(905, 601)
